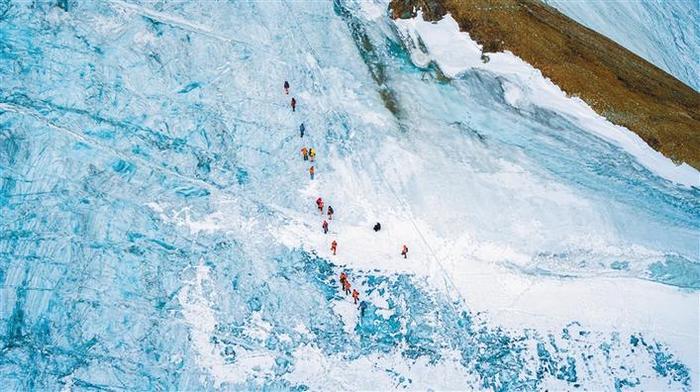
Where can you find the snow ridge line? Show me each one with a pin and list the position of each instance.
(176, 22)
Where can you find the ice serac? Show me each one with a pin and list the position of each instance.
(665, 33)
(157, 226)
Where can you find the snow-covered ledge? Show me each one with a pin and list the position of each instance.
(455, 52)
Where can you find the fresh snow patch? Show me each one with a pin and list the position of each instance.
(455, 52)
(198, 312)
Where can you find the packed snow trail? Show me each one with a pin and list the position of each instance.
(449, 285)
(162, 240)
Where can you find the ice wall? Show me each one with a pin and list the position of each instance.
(157, 226)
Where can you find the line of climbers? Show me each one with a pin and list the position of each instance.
(309, 154)
(345, 284)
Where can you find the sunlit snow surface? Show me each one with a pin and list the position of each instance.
(664, 32)
(158, 228)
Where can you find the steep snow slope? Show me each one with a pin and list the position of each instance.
(158, 227)
(665, 33)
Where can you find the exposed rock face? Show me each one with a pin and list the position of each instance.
(618, 84)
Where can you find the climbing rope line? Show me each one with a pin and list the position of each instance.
(449, 283)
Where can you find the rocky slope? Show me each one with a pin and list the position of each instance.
(618, 84)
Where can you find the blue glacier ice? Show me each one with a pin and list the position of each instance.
(158, 232)
(665, 33)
